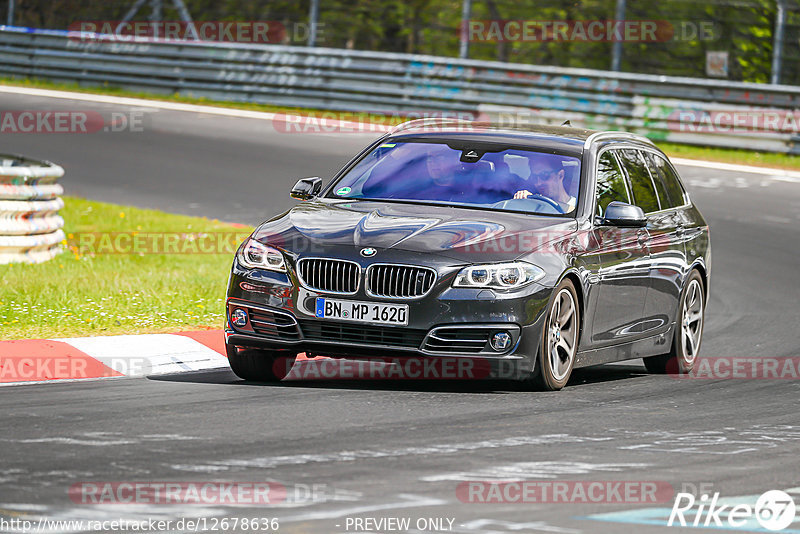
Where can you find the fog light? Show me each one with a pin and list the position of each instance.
(501, 341)
(239, 317)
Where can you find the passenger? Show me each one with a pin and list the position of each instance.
(417, 171)
(442, 167)
(406, 159)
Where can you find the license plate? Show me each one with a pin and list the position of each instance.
(362, 312)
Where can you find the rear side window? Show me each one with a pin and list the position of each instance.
(610, 183)
(642, 186)
(665, 175)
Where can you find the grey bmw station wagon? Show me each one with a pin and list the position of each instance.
(536, 249)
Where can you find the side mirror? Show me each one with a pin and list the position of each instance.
(624, 215)
(306, 188)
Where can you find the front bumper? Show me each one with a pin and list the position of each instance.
(281, 318)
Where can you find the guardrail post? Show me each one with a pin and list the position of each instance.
(156, 11)
(616, 49)
(10, 18)
(466, 13)
(313, 22)
(777, 47)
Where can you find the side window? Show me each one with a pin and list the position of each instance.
(644, 191)
(666, 175)
(610, 183)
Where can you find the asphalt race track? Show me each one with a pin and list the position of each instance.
(400, 449)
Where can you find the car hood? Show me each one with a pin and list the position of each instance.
(459, 233)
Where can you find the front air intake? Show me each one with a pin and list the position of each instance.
(330, 276)
(399, 281)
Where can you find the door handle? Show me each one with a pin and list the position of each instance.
(642, 237)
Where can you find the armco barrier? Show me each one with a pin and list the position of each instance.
(30, 227)
(685, 110)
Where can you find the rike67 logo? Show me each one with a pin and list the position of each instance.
(774, 510)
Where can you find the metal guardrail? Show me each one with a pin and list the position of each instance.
(684, 110)
(30, 227)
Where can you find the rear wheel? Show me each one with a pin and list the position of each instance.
(259, 365)
(559, 342)
(688, 331)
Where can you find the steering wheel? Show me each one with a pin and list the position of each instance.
(548, 200)
(541, 204)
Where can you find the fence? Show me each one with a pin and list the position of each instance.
(675, 109)
(30, 227)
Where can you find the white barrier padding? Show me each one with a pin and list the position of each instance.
(21, 171)
(30, 192)
(29, 256)
(30, 227)
(31, 241)
(40, 225)
(23, 208)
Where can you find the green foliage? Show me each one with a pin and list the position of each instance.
(96, 290)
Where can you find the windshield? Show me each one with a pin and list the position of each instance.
(510, 179)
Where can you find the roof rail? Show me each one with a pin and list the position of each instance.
(618, 135)
(428, 121)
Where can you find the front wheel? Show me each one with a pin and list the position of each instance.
(559, 342)
(259, 365)
(682, 357)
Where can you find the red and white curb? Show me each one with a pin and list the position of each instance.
(44, 360)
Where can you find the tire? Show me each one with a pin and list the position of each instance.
(689, 323)
(259, 365)
(559, 341)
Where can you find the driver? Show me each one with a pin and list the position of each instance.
(547, 179)
(413, 171)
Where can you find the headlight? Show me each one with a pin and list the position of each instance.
(498, 275)
(255, 255)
